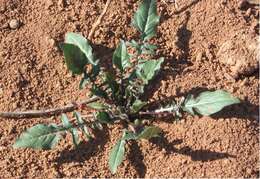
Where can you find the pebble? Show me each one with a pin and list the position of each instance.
(14, 24)
(199, 57)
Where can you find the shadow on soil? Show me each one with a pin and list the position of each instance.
(85, 150)
(136, 158)
(196, 155)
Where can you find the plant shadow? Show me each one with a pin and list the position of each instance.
(136, 158)
(85, 150)
(196, 155)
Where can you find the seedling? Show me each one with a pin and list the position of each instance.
(119, 91)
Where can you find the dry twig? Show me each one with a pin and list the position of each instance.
(46, 113)
(97, 23)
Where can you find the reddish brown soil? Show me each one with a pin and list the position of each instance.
(33, 76)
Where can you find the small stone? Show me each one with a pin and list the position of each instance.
(199, 57)
(1, 91)
(14, 24)
(52, 42)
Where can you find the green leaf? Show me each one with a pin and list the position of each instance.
(208, 103)
(128, 135)
(117, 155)
(149, 132)
(103, 117)
(73, 131)
(121, 57)
(97, 106)
(147, 70)
(40, 136)
(82, 43)
(146, 19)
(74, 58)
(137, 106)
(81, 123)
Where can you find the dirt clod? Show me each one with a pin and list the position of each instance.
(241, 54)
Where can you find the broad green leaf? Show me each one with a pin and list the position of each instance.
(103, 117)
(208, 103)
(40, 136)
(73, 131)
(121, 57)
(74, 58)
(137, 106)
(147, 70)
(149, 132)
(97, 106)
(81, 123)
(82, 43)
(117, 155)
(146, 19)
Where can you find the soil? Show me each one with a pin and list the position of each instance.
(33, 76)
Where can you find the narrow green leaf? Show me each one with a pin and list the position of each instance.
(146, 19)
(97, 106)
(149, 132)
(82, 125)
(137, 106)
(117, 155)
(208, 103)
(147, 70)
(69, 126)
(82, 43)
(40, 136)
(103, 117)
(74, 58)
(121, 57)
